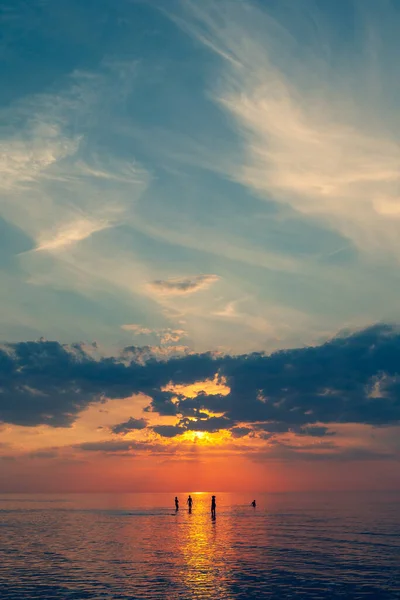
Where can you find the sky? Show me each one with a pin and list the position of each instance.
(199, 245)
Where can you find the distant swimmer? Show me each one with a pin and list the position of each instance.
(213, 506)
(189, 502)
(253, 504)
(176, 503)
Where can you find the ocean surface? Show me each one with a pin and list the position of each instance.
(136, 546)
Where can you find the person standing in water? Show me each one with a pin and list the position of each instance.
(213, 506)
(253, 504)
(176, 503)
(189, 502)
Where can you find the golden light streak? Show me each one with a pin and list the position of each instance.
(205, 438)
(208, 386)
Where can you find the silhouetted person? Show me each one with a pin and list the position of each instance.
(253, 504)
(213, 506)
(189, 502)
(176, 503)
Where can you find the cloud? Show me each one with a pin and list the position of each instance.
(322, 452)
(114, 446)
(317, 132)
(238, 432)
(351, 379)
(72, 233)
(168, 431)
(137, 329)
(165, 335)
(142, 354)
(58, 185)
(43, 454)
(182, 286)
(211, 424)
(24, 157)
(171, 336)
(225, 244)
(129, 425)
(316, 431)
(49, 383)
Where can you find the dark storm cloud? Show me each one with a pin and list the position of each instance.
(239, 432)
(129, 425)
(350, 379)
(168, 430)
(315, 431)
(49, 383)
(162, 404)
(281, 427)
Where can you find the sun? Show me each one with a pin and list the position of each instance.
(196, 436)
(206, 438)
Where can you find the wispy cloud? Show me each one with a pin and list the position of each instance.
(57, 187)
(137, 329)
(218, 243)
(67, 191)
(72, 233)
(187, 285)
(25, 156)
(316, 134)
(131, 424)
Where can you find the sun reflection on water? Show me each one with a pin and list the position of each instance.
(202, 544)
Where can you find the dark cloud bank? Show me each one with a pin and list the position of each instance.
(350, 379)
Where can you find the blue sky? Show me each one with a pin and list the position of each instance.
(217, 175)
(187, 187)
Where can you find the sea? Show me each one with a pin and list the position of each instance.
(134, 546)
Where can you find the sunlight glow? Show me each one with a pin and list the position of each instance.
(205, 438)
(208, 386)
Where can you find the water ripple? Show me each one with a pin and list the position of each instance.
(134, 547)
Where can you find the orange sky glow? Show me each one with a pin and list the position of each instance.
(88, 457)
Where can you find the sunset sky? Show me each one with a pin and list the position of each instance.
(199, 245)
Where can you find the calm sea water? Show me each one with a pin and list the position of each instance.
(136, 546)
